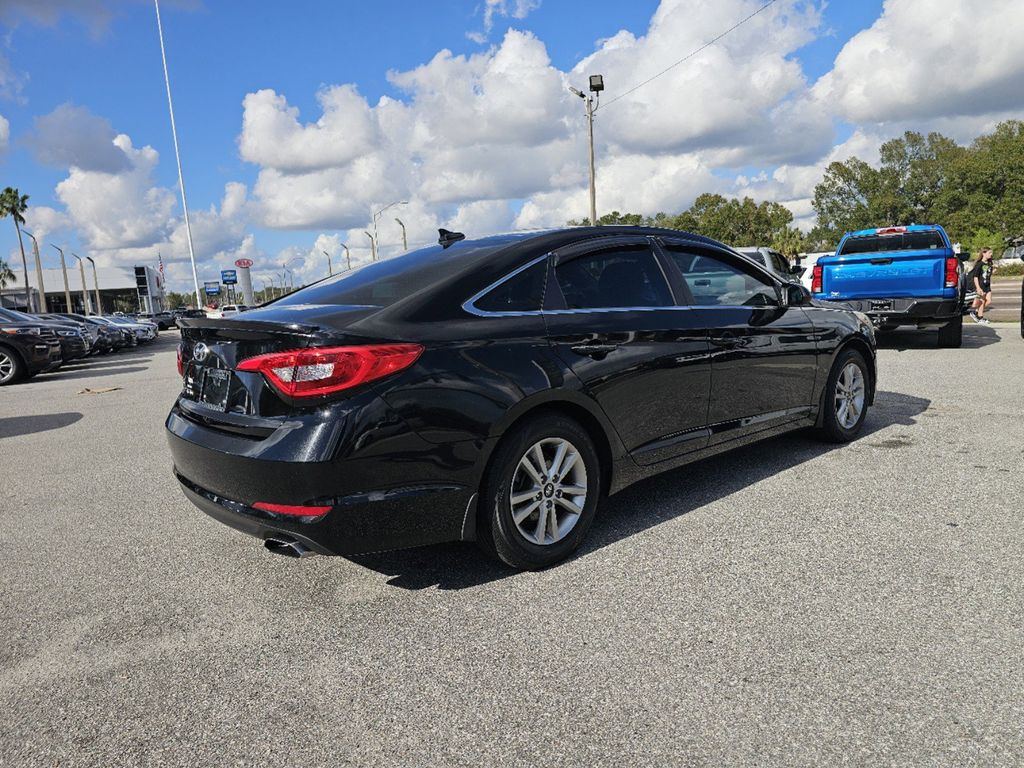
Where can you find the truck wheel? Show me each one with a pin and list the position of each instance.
(952, 333)
(845, 399)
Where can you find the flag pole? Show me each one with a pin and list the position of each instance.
(177, 156)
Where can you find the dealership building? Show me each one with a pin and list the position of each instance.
(137, 289)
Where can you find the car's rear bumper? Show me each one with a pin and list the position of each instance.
(906, 311)
(379, 502)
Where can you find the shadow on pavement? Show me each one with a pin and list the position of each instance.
(644, 505)
(12, 426)
(975, 337)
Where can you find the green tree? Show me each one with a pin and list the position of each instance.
(14, 205)
(6, 275)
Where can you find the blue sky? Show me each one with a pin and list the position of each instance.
(104, 59)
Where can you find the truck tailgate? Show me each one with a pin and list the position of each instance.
(905, 274)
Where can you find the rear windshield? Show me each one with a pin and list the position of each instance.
(382, 283)
(905, 241)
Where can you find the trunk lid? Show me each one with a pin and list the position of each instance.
(212, 348)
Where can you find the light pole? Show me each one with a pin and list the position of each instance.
(376, 217)
(284, 282)
(596, 86)
(373, 246)
(405, 241)
(290, 273)
(64, 271)
(85, 291)
(273, 288)
(177, 155)
(330, 269)
(39, 269)
(96, 286)
(348, 258)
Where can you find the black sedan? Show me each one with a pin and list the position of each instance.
(495, 389)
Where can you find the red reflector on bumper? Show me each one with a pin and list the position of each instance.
(292, 509)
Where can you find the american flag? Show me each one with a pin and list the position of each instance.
(161, 260)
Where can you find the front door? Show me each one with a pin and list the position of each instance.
(763, 353)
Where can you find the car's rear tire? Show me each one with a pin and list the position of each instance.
(845, 399)
(12, 369)
(951, 334)
(540, 493)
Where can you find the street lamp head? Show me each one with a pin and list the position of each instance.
(596, 83)
(89, 259)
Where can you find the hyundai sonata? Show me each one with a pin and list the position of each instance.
(496, 389)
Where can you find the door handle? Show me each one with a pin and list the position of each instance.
(597, 351)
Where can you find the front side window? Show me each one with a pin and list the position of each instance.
(523, 292)
(619, 278)
(714, 282)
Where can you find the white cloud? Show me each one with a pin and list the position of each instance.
(516, 9)
(5, 134)
(925, 59)
(72, 136)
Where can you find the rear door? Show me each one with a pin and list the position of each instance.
(763, 354)
(613, 319)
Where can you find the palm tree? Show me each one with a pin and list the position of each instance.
(14, 204)
(6, 276)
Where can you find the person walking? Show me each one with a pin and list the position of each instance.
(981, 280)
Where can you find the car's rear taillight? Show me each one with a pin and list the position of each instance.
(181, 363)
(952, 272)
(816, 279)
(324, 370)
(294, 510)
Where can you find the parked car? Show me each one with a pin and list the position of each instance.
(898, 276)
(162, 320)
(73, 342)
(143, 332)
(127, 334)
(226, 311)
(180, 313)
(774, 262)
(107, 338)
(496, 389)
(90, 332)
(26, 348)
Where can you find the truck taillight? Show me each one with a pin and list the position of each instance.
(952, 276)
(816, 279)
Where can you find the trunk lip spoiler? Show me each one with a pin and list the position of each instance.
(255, 326)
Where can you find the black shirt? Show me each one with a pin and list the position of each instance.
(982, 271)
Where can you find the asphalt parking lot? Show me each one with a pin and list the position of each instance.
(789, 604)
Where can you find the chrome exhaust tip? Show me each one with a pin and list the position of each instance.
(287, 548)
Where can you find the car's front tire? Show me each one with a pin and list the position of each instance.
(540, 493)
(845, 400)
(12, 370)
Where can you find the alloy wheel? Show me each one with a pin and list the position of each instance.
(850, 395)
(549, 491)
(6, 367)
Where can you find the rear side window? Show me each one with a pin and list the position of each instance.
(905, 241)
(523, 292)
(625, 277)
(718, 283)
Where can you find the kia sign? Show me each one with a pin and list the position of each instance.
(245, 280)
(228, 276)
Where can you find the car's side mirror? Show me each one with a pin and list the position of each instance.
(795, 295)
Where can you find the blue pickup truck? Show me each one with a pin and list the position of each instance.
(897, 276)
